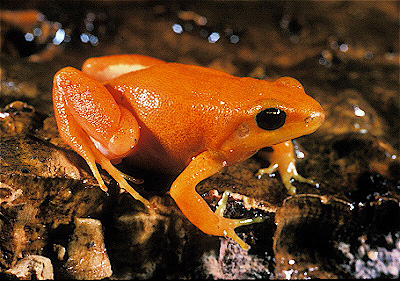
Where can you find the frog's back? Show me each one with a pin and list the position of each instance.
(185, 89)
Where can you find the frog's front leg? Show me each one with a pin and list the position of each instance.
(282, 159)
(94, 124)
(195, 208)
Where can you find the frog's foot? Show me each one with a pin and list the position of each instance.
(120, 178)
(229, 225)
(282, 159)
(287, 175)
(133, 192)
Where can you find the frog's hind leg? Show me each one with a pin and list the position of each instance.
(108, 67)
(93, 124)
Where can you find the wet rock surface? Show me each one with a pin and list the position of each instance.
(344, 53)
(87, 255)
(32, 267)
(322, 237)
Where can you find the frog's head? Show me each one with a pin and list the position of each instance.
(281, 111)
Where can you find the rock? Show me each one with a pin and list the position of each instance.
(87, 255)
(32, 267)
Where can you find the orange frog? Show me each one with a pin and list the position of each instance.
(180, 119)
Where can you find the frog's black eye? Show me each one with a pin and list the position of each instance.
(271, 119)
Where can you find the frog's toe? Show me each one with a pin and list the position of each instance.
(287, 181)
(221, 207)
(291, 189)
(303, 179)
(229, 225)
(131, 179)
(268, 170)
(232, 234)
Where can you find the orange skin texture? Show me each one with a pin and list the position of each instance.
(184, 120)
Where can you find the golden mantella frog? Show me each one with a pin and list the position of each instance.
(186, 120)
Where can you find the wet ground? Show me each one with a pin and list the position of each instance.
(344, 53)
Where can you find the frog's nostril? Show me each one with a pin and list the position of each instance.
(314, 118)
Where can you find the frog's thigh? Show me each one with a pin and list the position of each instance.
(108, 67)
(113, 129)
(193, 206)
(73, 134)
(93, 124)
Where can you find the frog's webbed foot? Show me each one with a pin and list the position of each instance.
(122, 178)
(287, 177)
(282, 160)
(221, 207)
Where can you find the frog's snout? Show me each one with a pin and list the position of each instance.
(315, 119)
